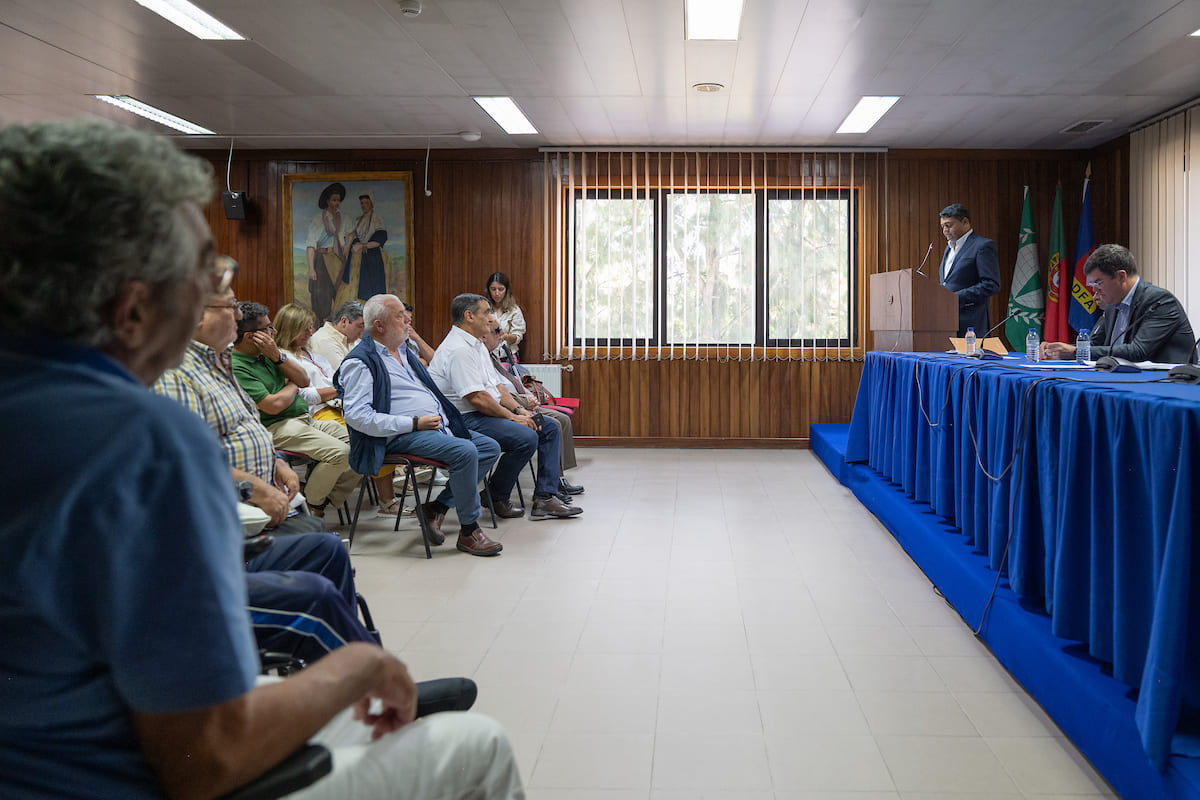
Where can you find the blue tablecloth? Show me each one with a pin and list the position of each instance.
(1093, 474)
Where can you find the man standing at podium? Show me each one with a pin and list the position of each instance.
(970, 269)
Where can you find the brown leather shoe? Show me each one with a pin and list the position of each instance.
(478, 544)
(504, 508)
(548, 507)
(434, 519)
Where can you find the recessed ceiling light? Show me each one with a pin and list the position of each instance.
(708, 88)
(135, 106)
(714, 19)
(506, 114)
(866, 114)
(191, 18)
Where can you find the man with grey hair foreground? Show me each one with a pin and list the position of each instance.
(112, 575)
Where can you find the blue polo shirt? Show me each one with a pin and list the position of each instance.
(121, 584)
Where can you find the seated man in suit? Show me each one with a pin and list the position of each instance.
(464, 372)
(1141, 321)
(392, 405)
(273, 380)
(970, 269)
(139, 554)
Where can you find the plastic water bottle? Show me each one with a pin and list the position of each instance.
(970, 341)
(1083, 346)
(1033, 346)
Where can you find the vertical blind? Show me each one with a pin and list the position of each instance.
(1164, 206)
(708, 254)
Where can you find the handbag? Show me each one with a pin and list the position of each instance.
(538, 390)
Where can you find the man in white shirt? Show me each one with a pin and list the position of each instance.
(338, 335)
(463, 371)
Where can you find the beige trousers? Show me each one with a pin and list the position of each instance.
(329, 444)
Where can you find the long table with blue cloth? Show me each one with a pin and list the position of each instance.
(1081, 485)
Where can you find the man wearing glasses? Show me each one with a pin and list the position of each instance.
(1141, 322)
(273, 381)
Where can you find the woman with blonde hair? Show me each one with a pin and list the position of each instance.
(294, 325)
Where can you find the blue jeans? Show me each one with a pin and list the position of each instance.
(469, 462)
(519, 444)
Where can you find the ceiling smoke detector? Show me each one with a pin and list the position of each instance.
(410, 8)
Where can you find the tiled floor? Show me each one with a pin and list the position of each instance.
(727, 625)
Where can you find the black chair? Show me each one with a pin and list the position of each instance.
(410, 463)
(302, 768)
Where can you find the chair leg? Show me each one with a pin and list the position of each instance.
(409, 477)
(487, 494)
(368, 623)
(357, 509)
(421, 520)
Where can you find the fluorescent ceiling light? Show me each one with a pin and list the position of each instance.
(866, 114)
(194, 20)
(154, 114)
(1195, 32)
(714, 19)
(506, 114)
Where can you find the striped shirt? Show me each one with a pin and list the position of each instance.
(205, 384)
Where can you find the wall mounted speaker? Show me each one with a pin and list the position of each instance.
(235, 204)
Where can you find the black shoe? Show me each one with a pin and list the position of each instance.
(568, 488)
(566, 498)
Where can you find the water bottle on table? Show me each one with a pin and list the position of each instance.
(970, 341)
(1033, 347)
(1083, 346)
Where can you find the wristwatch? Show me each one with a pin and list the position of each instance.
(282, 357)
(245, 490)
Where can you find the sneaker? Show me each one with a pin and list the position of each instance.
(548, 507)
(434, 520)
(478, 544)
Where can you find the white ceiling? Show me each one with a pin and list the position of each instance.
(358, 74)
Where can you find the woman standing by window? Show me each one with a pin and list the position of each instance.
(512, 321)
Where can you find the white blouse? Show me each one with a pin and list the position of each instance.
(511, 322)
(320, 376)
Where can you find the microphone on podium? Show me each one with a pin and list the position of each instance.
(986, 354)
(920, 269)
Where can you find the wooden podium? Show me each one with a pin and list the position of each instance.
(911, 312)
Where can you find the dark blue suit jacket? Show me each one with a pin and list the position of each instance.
(974, 278)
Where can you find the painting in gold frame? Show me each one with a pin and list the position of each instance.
(347, 236)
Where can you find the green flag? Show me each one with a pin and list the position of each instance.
(1026, 300)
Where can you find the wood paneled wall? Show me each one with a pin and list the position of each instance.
(990, 184)
(486, 213)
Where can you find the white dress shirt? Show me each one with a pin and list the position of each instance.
(955, 249)
(461, 366)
